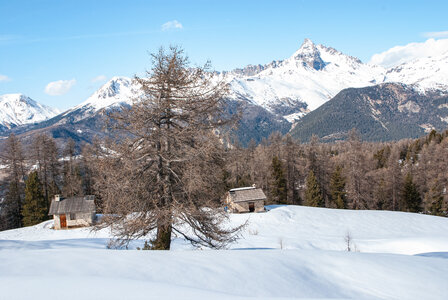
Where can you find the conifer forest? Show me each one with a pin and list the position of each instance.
(408, 175)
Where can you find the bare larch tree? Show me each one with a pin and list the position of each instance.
(165, 172)
(14, 160)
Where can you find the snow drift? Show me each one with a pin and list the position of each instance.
(288, 252)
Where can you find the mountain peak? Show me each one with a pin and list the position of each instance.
(113, 87)
(13, 97)
(116, 91)
(18, 109)
(15, 100)
(120, 79)
(307, 42)
(307, 47)
(309, 56)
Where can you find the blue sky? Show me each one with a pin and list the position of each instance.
(74, 42)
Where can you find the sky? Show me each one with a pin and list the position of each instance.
(60, 52)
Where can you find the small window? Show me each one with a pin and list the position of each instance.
(72, 216)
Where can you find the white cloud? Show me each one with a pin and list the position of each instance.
(60, 87)
(436, 34)
(99, 78)
(172, 25)
(401, 54)
(4, 78)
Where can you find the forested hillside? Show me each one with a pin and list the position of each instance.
(385, 112)
(408, 175)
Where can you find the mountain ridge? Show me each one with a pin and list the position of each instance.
(277, 95)
(384, 112)
(18, 109)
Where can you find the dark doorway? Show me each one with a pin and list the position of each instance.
(63, 219)
(251, 207)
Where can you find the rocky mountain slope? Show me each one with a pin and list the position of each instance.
(388, 111)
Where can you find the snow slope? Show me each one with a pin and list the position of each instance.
(18, 109)
(427, 73)
(289, 252)
(260, 274)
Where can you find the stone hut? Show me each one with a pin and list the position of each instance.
(72, 212)
(245, 199)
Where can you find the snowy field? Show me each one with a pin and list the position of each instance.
(290, 252)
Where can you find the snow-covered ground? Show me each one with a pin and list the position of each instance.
(288, 252)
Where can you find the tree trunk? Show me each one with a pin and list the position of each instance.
(163, 238)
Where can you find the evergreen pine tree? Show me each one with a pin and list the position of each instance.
(337, 188)
(313, 195)
(279, 189)
(34, 209)
(12, 206)
(411, 200)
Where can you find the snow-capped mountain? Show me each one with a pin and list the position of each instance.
(82, 119)
(117, 91)
(289, 88)
(18, 109)
(316, 73)
(272, 96)
(312, 75)
(292, 87)
(427, 73)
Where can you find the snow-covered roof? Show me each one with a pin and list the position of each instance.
(243, 188)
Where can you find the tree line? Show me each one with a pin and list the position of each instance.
(31, 177)
(408, 175)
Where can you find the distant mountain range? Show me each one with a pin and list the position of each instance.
(315, 73)
(291, 93)
(85, 121)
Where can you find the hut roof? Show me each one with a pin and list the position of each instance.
(73, 205)
(247, 194)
